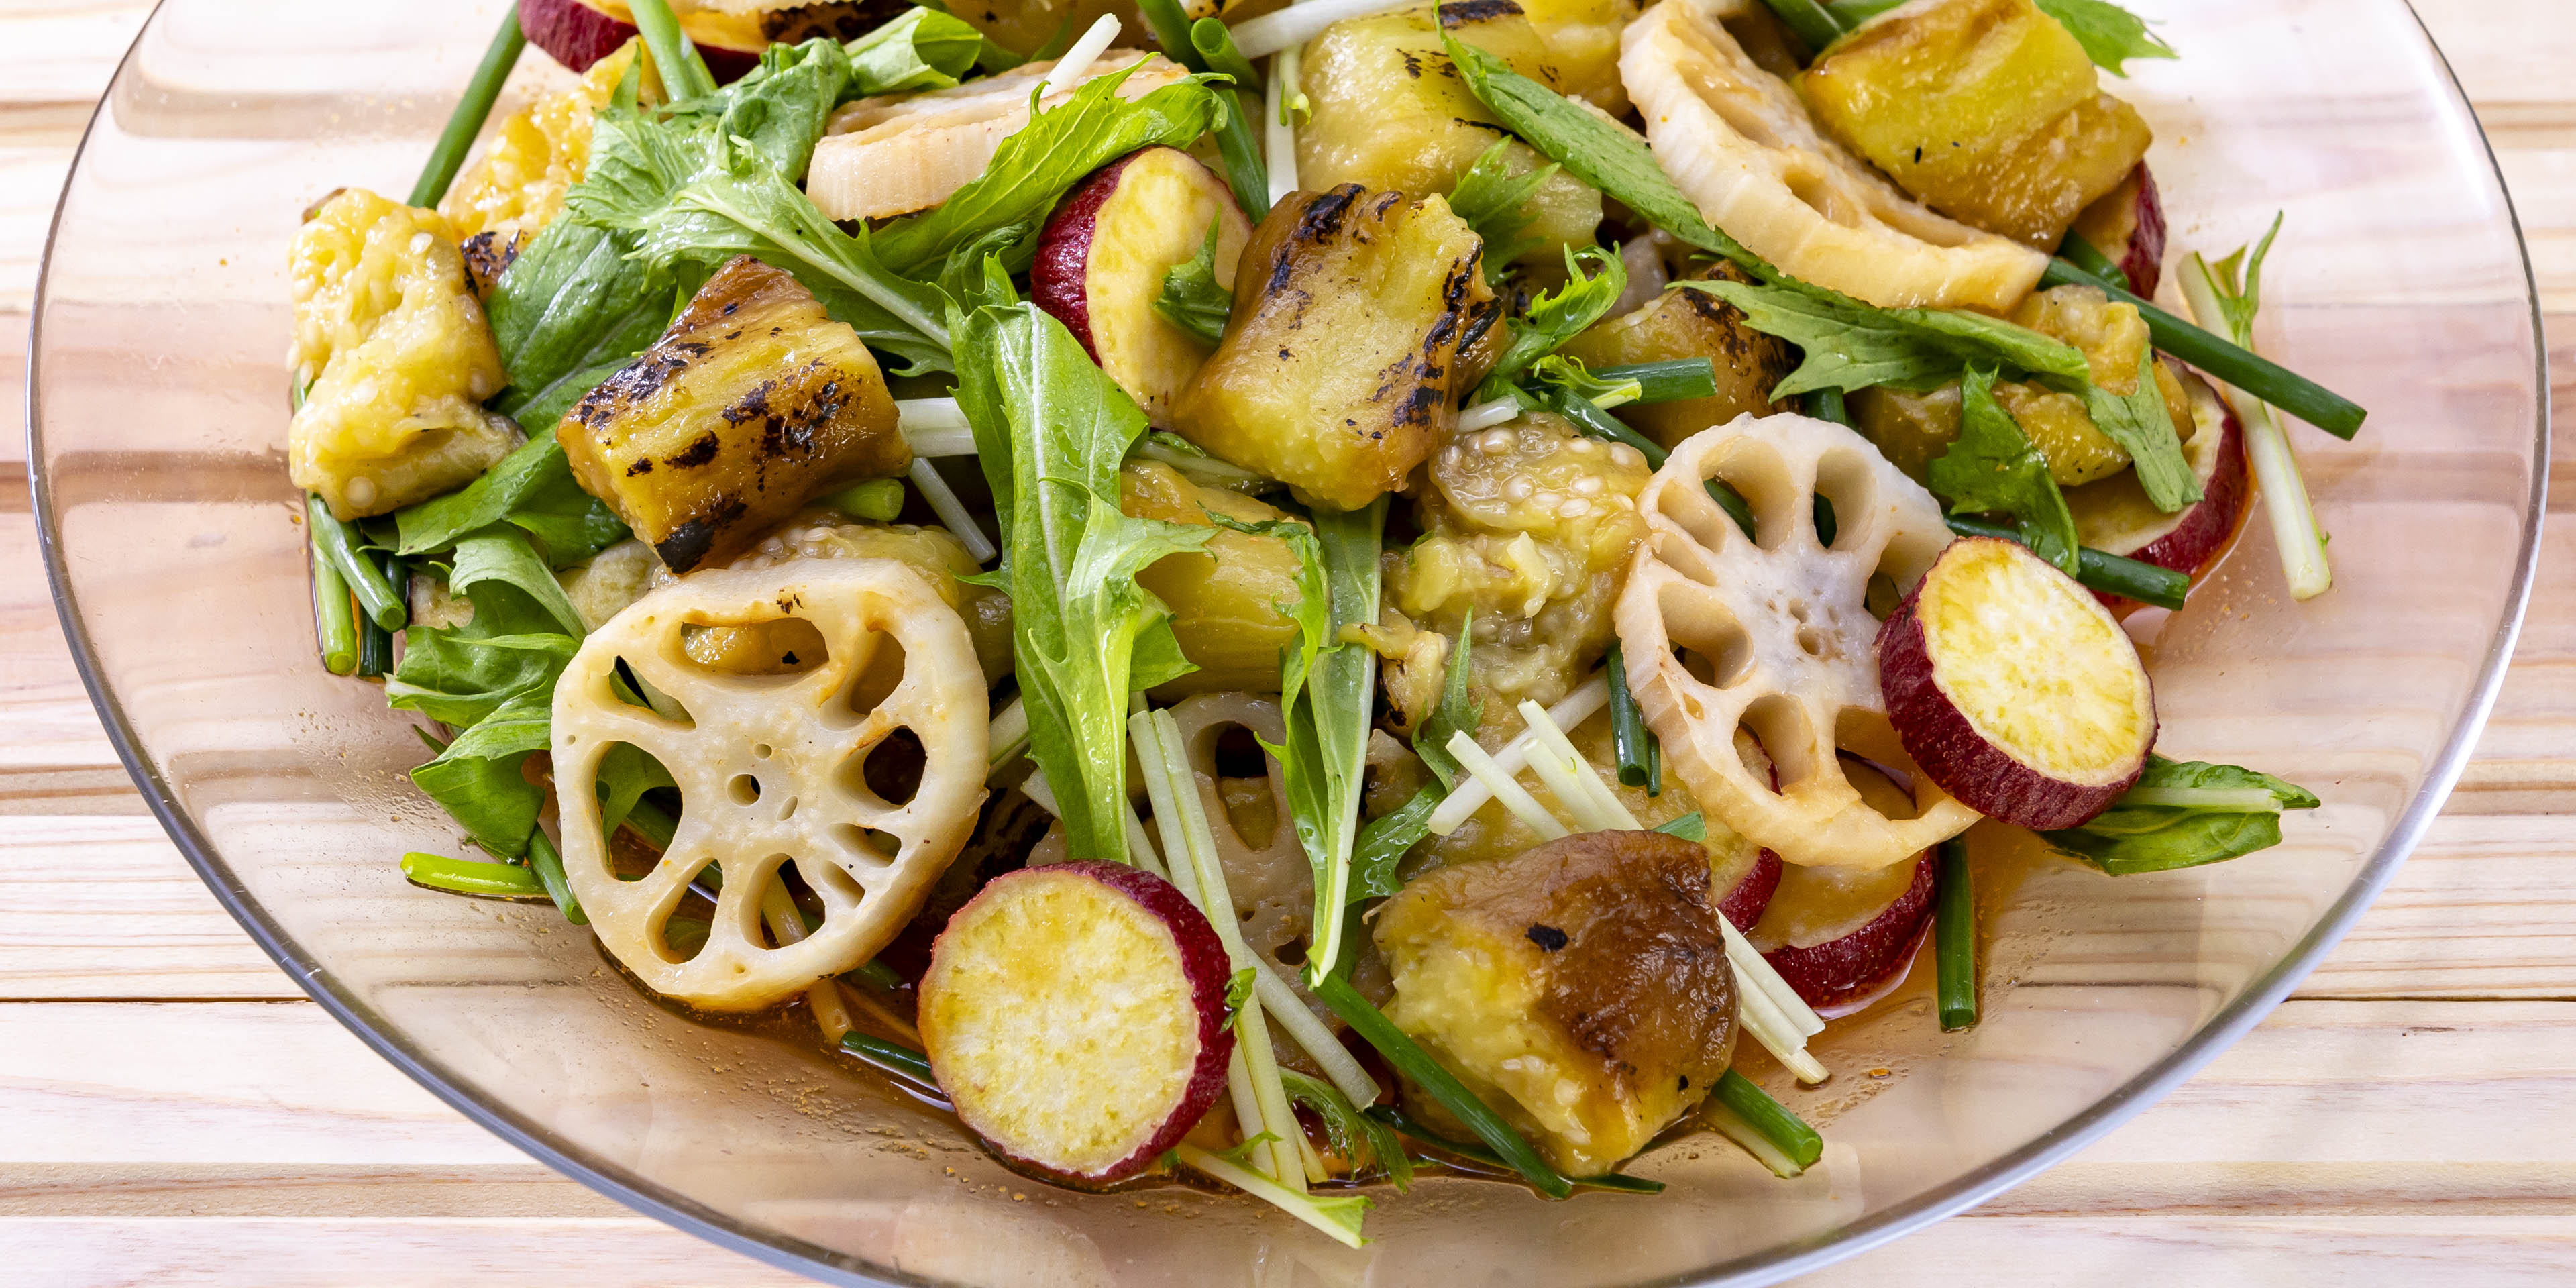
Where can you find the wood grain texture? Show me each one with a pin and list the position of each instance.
(172, 1112)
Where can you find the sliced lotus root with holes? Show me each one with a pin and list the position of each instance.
(1272, 883)
(771, 770)
(1739, 142)
(1723, 632)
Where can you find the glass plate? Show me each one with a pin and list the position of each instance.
(159, 412)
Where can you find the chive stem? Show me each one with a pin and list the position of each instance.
(548, 866)
(1588, 416)
(471, 876)
(890, 1057)
(1732, 501)
(684, 74)
(1954, 938)
(1634, 742)
(2108, 573)
(877, 973)
(375, 643)
(1814, 26)
(334, 622)
(2085, 255)
(1413, 1062)
(1747, 1115)
(337, 541)
(1407, 1125)
(1671, 380)
(447, 156)
(1828, 404)
(1214, 42)
(2251, 372)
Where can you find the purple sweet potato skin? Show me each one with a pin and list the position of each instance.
(1836, 971)
(2144, 263)
(1946, 746)
(1203, 960)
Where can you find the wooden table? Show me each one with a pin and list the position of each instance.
(173, 1109)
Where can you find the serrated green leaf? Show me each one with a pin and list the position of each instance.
(1993, 469)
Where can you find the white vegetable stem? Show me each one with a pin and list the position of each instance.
(1733, 1126)
(934, 426)
(2267, 448)
(951, 511)
(1324, 1214)
(1498, 782)
(1182, 818)
(1312, 1037)
(1009, 736)
(823, 997)
(1293, 26)
(1484, 415)
(1278, 130)
(1077, 61)
(1570, 713)
(1140, 844)
(1580, 778)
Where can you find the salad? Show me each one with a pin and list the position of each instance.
(1374, 586)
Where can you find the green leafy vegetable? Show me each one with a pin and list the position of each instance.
(1992, 468)
(1572, 376)
(1368, 1144)
(1327, 688)
(1850, 345)
(2237, 306)
(1554, 317)
(501, 553)
(922, 49)
(1495, 202)
(1815, 28)
(1383, 843)
(1036, 166)
(478, 779)
(1690, 827)
(2142, 426)
(533, 489)
(2110, 34)
(2182, 814)
(1238, 989)
(1670, 380)
(1191, 299)
(1051, 430)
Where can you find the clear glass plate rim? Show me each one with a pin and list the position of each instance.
(1772, 1266)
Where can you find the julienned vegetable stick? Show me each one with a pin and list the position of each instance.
(1278, 132)
(1077, 61)
(934, 426)
(823, 998)
(1586, 780)
(1312, 1037)
(1188, 841)
(1293, 26)
(1486, 415)
(950, 510)
(1010, 734)
(2276, 469)
(1471, 796)
(1498, 782)
(1140, 846)
(1324, 1214)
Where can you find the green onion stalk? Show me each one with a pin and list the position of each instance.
(447, 156)
(1954, 938)
(2108, 573)
(2258, 376)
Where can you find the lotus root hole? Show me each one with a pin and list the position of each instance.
(744, 789)
(888, 774)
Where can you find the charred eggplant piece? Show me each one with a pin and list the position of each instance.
(1580, 987)
(1339, 369)
(754, 402)
(1693, 324)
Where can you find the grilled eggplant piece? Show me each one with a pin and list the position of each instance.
(1581, 988)
(1391, 112)
(1692, 324)
(1339, 369)
(1989, 111)
(751, 404)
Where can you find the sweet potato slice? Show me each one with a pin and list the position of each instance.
(2014, 689)
(1075, 1015)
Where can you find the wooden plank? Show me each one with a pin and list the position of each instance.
(386, 1252)
(2400, 1250)
(107, 908)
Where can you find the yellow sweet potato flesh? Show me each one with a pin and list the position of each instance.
(1987, 110)
(754, 402)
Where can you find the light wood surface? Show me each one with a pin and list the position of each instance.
(172, 1109)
